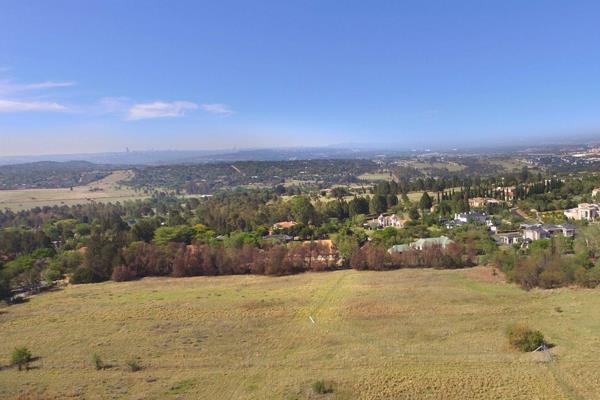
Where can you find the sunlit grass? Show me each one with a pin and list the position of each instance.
(400, 334)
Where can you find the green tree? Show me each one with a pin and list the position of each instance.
(377, 204)
(302, 209)
(392, 200)
(144, 229)
(425, 203)
(413, 214)
(176, 234)
(357, 206)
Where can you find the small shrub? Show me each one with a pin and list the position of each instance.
(523, 338)
(320, 387)
(122, 274)
(134, 365)
(83, 275)
(97, 362)
(21, 357)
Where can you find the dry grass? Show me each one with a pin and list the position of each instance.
(404, 334)
(105, 190)
(376, 176)
(425, 166)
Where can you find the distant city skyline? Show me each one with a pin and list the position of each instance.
(103, 76)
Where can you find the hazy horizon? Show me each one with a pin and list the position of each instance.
(442, 146)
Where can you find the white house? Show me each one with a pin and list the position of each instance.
(584, 211)
(383, 221)
(544, 231)
(509, 238)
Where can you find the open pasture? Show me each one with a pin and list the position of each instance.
(105, 190)
(404, 334)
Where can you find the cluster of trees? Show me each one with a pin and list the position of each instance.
(555, 262)
(177, 259)
(213, 177)
(49, 174)
(373, 257)
(227, 234)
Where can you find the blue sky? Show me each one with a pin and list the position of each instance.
(90, 76)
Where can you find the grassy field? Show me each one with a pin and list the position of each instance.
(404, 334)
(379, 176)
(449, 165)
(510, 164)
(105, 190)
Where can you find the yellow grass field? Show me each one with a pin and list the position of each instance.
(422, 165)
(105, 190)
(379, 176)
(407, 334)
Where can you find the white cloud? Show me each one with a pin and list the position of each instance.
(160, 109)
(10, 106)
(217, 108)
(8, 87)
(16, 97)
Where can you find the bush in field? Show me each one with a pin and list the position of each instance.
(320, 387)
(97, 362)
(21, 357)
(123, 273)
(134, 365)
(83, 275)
(523, 338)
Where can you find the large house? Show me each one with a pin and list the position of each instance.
(320, 250)
(509, 192)
(420, 244)
(509, 238)
(442, 241)
(584, 211)
(480, 202)
(471, 216)
(284, 225)
(543, 231)
(383, 221)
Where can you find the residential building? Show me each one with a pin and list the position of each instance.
(383, 221)
(509, 238)
(399, 248)
(584, 211)
(481, 202)
(420, 244)
(535, 232)
(442, 241)
(471, 216)
(321, 250)
(509, 192)
(284, 225)
(544, 231)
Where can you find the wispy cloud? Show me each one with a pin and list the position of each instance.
(9, 87)
(160, 109)
(24, 97)
(217, 108)
(11, 106)
(41, 96)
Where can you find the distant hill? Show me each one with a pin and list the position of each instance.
(202, 156)
(50, 174)
(340, 151)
